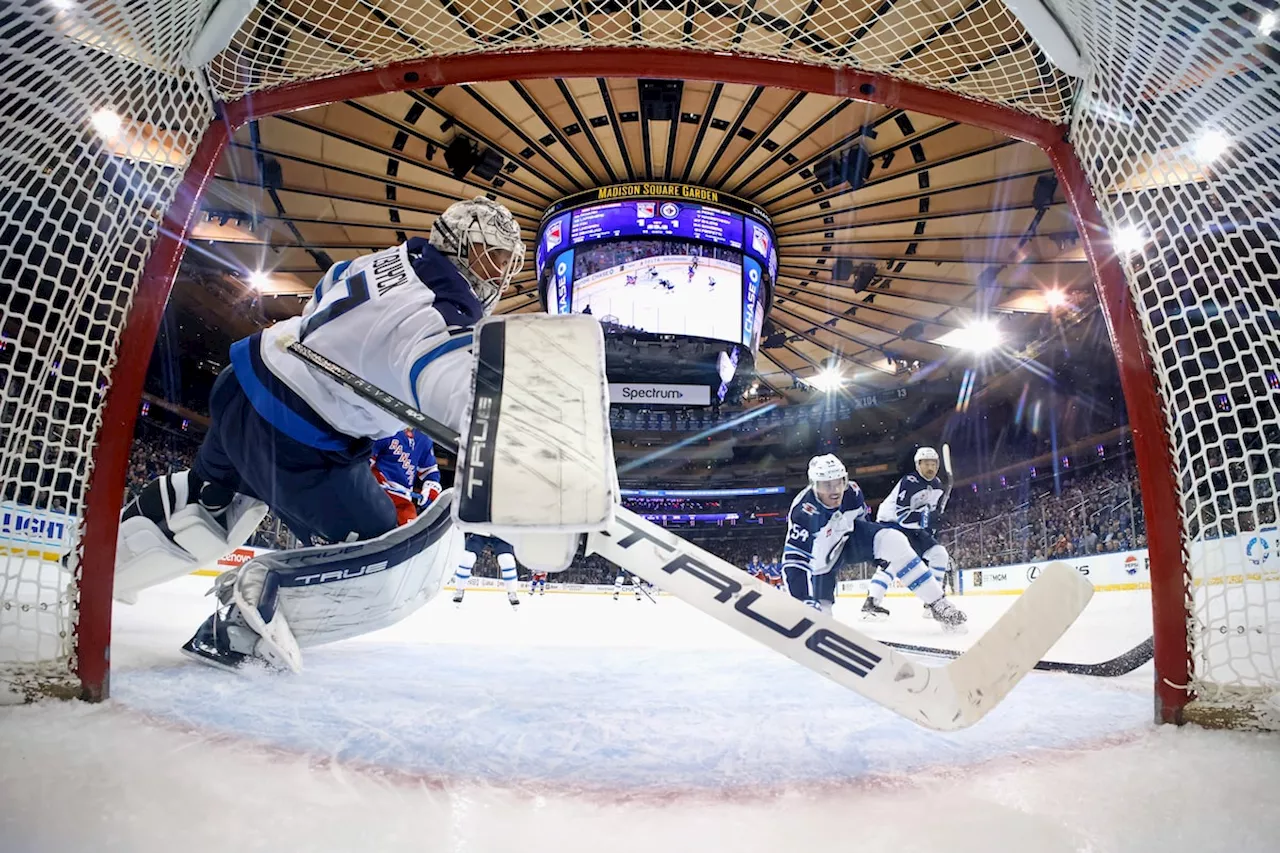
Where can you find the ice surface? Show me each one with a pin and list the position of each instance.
(581, 723)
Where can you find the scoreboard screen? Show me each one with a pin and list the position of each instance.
(662, 264)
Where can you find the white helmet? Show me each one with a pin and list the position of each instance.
(479, 222)
(826, 467)
(926, 453)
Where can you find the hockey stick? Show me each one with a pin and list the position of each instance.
(1122, 664)
(945, 698)
(946, 492)
(442, 435)
(646, 594)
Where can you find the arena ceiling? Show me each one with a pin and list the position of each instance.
(952, 225)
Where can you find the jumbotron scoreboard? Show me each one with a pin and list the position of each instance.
(686, 267)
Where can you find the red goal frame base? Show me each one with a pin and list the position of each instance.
(1169, 576)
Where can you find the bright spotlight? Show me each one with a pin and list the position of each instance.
(1128, 239)
(259, 280)
(979, 336)
(63, 5)
(1054, 297)
(1211, 145)
(1268, 23)
(828, 380)
(107, 123)
(983, 335)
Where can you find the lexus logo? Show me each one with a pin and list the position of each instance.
(1033, 573)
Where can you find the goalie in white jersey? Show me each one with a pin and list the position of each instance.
(287, 437)
(828, 527)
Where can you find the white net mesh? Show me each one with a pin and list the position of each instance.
(972, 48)
(1181, 148)
(98, 124)
(1175, 123)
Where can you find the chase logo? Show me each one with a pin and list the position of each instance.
(1258, 550)
(562, 268)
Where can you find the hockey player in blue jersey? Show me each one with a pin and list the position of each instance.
(506, 557)
(912, 507)
(405, 466)
(284, 436)
(827, 528)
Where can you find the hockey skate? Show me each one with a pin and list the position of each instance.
(951, 617)
(457, 597)
(512, 599)
(246, 625)
(873, 611)
(927, 612)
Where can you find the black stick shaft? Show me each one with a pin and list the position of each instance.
(440, 434)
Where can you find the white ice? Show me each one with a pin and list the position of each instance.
(580, 723)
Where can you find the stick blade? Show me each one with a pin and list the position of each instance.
(986, 673)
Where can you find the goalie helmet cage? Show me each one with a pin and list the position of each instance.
(1167, 140)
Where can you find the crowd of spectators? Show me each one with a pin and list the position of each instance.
(1093, 511)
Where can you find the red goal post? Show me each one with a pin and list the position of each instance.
(1159, 444)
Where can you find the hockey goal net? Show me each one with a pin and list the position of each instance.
(1166, 145)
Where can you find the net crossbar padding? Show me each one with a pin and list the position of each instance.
(1188, 294)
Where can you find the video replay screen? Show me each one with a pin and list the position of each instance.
(659, 266)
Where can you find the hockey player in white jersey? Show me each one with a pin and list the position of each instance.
(912, 507)
(827, 527)
(284, 436)
(502, 552)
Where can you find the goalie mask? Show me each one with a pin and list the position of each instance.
(927, 463)
(828, 477)
(482, 239)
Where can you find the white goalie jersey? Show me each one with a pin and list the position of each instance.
(400, 318)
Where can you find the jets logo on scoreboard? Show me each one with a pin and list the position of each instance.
(670, 210)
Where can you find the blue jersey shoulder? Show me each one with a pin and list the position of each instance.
(455, 300)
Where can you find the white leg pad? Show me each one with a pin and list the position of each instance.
(276, 643)
(145, 557)
(333, 592)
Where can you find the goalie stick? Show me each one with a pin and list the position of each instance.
(946, 698)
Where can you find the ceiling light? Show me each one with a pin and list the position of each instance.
(1268, 23)
(1128, 239)
(978, 336)
(828, 380)
(259, 280)
(1054, 297)
(107, 123)
(1211, 145)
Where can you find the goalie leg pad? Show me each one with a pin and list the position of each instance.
(537, 456)
(166, 533)
(334, 592)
